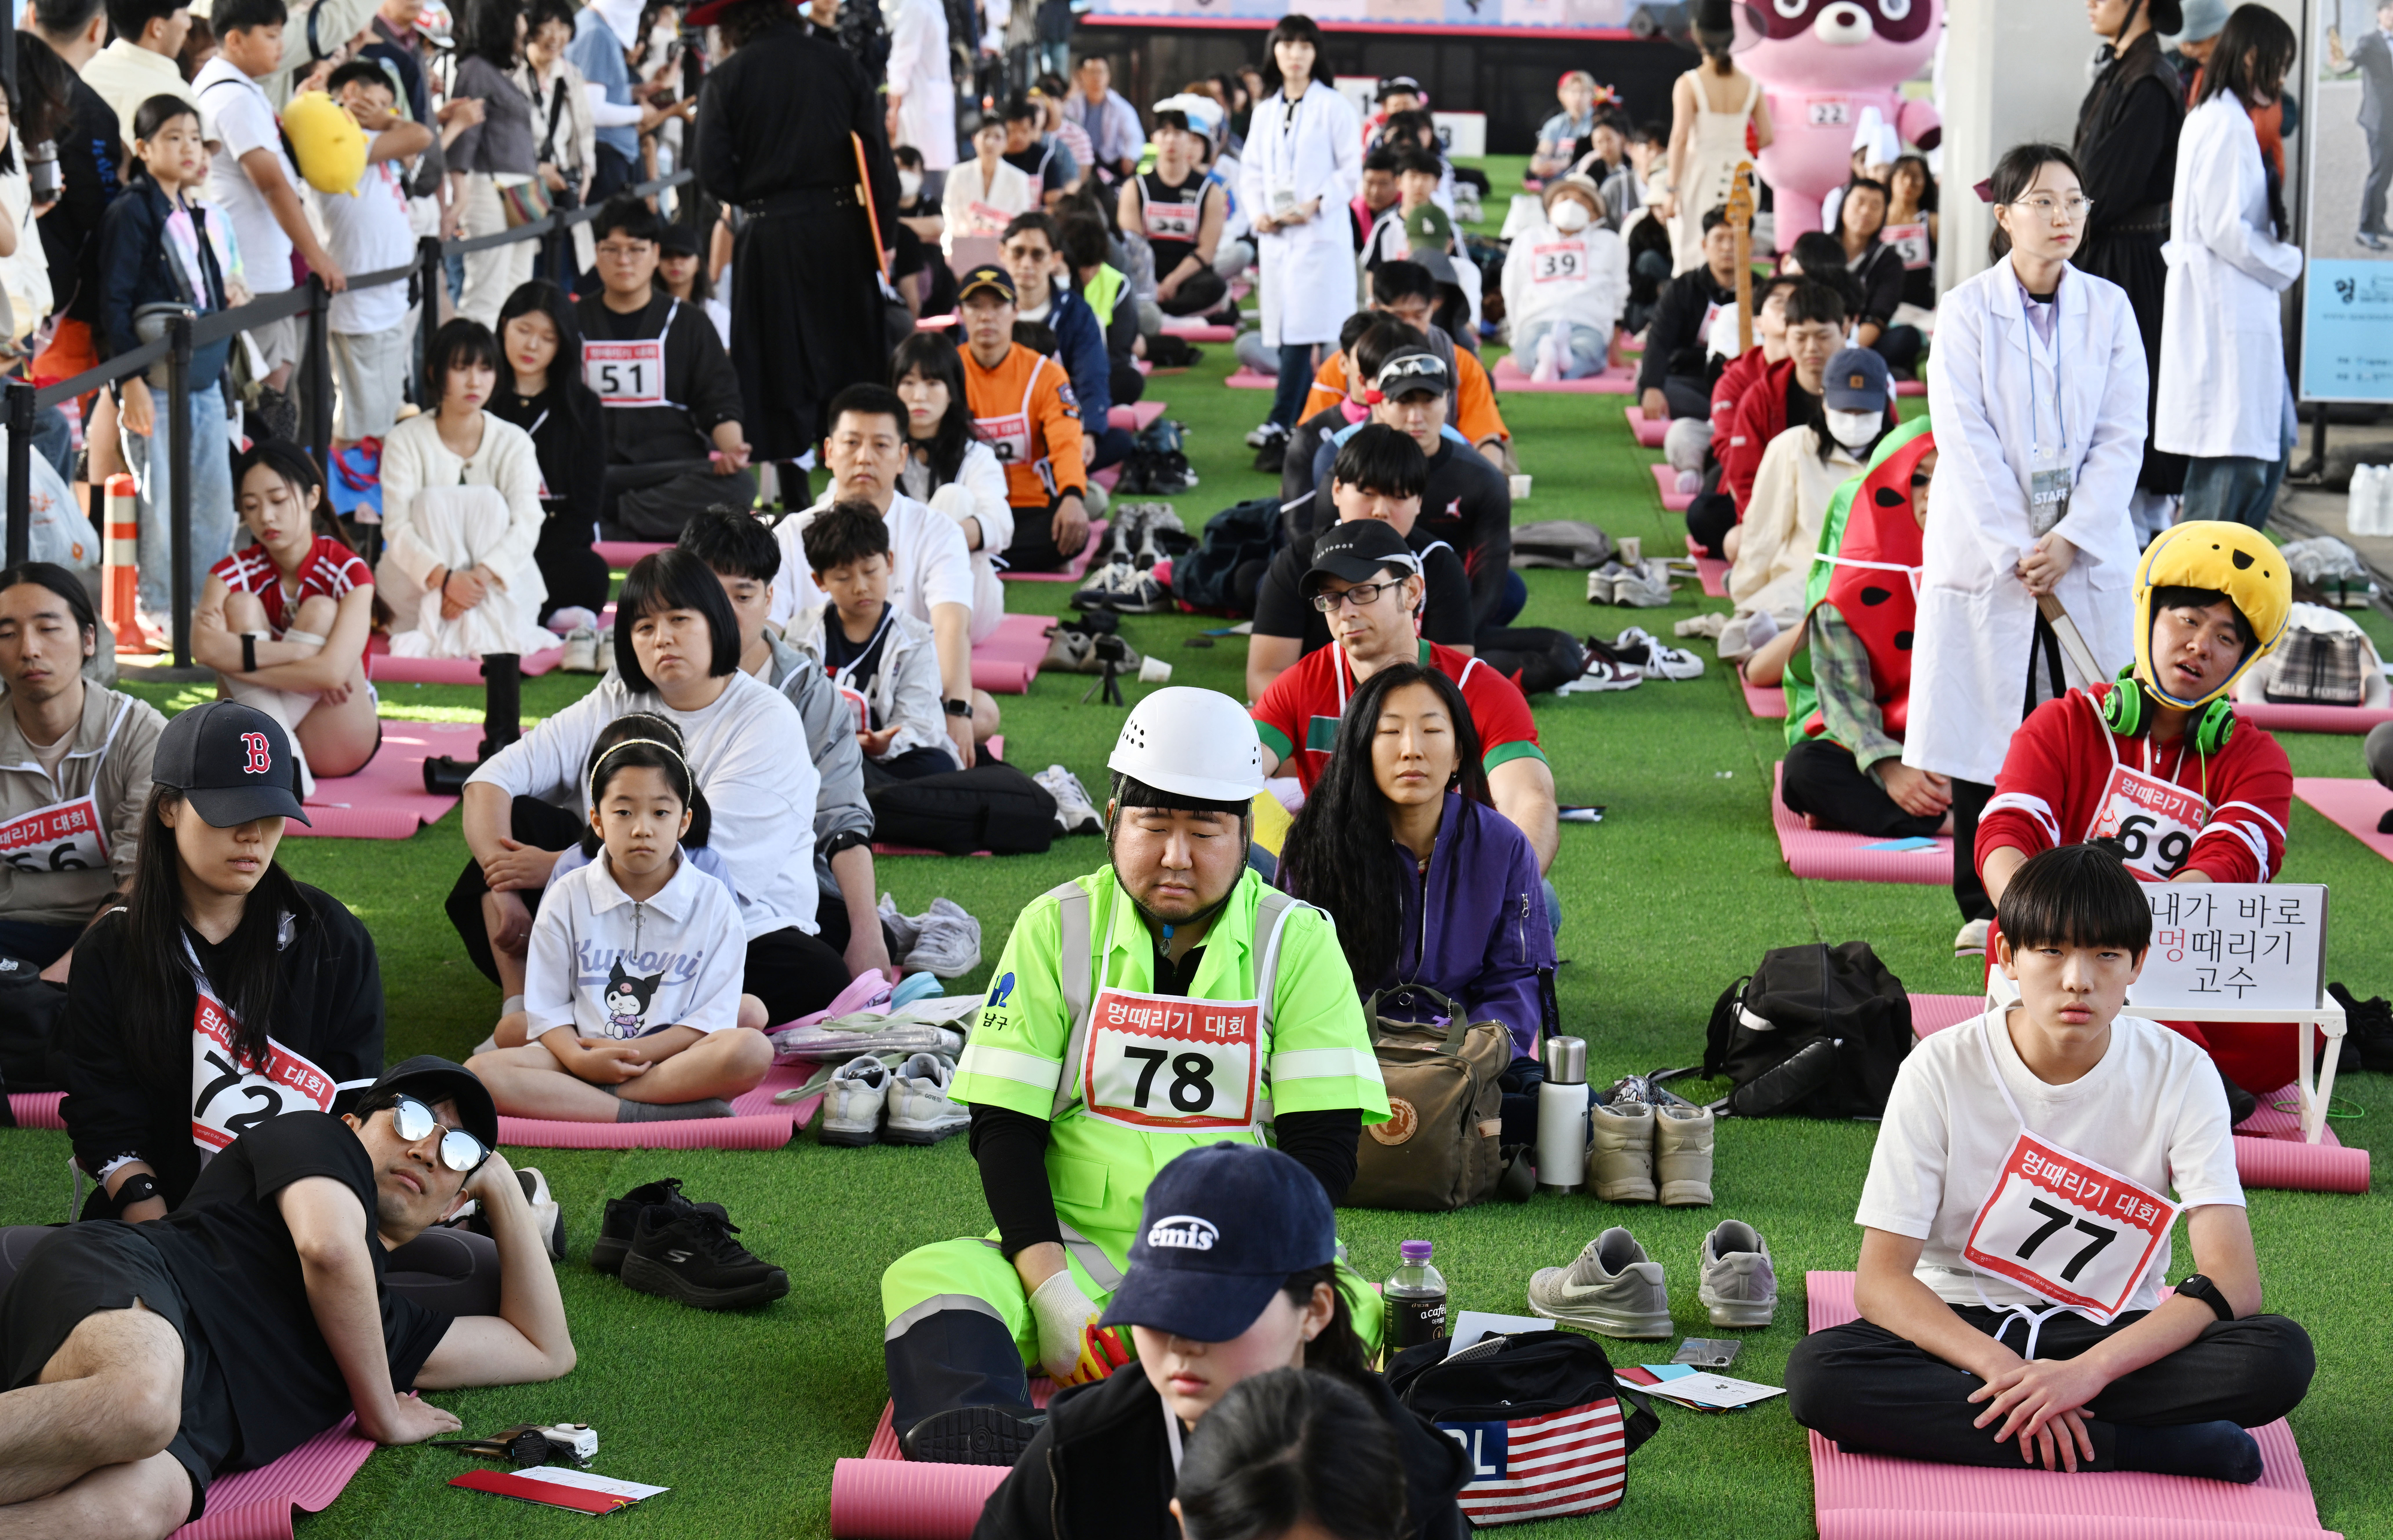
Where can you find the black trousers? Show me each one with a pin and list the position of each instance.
(575, 574)
(641, 504)
(1823, 780)
(1198, 293)
(2380, 177)
(1688, 395)
(1709, 519)
(1123, 381)
(792, 973)
(1536, 657)
(1034, 540)
(1875, 1392)
(1969, 800)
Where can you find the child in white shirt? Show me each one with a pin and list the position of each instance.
(367, 232)
(631, 1009)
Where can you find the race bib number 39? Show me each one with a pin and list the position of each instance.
(1163, 1061)
(2068, 1229)
(230, 1096)
(1559, 262)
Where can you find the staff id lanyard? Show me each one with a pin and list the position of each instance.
(2065, 1228)
(2049, 465)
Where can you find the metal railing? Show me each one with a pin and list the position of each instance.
(313, 384)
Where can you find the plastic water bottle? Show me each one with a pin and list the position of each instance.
(2360, 510)
(1415, 1298)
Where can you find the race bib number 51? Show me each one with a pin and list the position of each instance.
(1162, 1061)
(2068, 1229)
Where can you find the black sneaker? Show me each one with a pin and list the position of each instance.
(688, 1254)
(622, 1221)
(972, 1435)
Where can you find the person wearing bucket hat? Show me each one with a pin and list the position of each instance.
(1154, 1006)
(2155, 759)
(220, 990)
(274, 1304)
(2188, 48)
(1565, 283)
(1233, 1273)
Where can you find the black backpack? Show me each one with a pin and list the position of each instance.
(992, 807)
(1816, 1031)
(1249, 531)
(32, 1030)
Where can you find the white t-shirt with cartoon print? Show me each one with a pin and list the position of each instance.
(610, 965)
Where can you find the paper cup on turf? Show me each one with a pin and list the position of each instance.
(1519, 489)
(1154, 671)
(1632, 549)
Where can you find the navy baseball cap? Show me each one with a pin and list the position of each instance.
(231, 763)
(1857, 380)
(988, 276)
(1222, 1229)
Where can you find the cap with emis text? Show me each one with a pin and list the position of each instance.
(1222, 1229)
(231, 763)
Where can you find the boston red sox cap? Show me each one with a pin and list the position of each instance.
(231, 763)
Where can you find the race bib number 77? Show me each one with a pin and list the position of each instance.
(1164, 1061)
(2075, 1232)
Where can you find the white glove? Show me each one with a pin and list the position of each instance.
(1064, 1314)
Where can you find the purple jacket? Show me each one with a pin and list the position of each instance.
(1474, 927)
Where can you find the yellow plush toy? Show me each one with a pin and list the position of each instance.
(329, 146)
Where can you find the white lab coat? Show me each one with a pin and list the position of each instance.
(2222, 380)
(919, 74)
(1314, 151)
(1977, 621)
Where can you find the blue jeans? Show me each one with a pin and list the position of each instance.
(1587, 354)
(1508, 604)
(1555, 907)
(1295, 379)
(54, 441)
(213, 524)
(2232, 486)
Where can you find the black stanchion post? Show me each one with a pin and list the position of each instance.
(179, 461)
(316, 370)
(21, 470)
(431, 281)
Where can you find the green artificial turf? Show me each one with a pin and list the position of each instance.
(1666, 903)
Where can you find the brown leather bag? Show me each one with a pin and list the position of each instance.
(1438, 1148)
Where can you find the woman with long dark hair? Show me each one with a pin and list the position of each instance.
(497, 160)
(950, 469)
(1436, 894)
(223, 992)
(540, 389)
(2223, 401)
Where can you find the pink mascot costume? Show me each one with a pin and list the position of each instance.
(1822, 63)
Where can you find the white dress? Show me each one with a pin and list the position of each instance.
(1713, 151)
(1295, 153)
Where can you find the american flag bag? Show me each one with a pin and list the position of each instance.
(1546, 1428)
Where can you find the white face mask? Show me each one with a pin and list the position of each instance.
(1853, 429)
(1571, 215)
(909, 182)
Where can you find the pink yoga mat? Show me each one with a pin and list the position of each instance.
(2352, 806)
(1766, 701)
(1835, 856)
(1877, 1497)
(1935, 1012)
(1649, 433)
(1665, 482)
(1005, 663)
(1134, 418)
(1618, 379)
(37, 1109)
(621, 554)
(2313, 719)
(886, 1496)
(383, 669)
(755, 1124)
(1196, 329)
(387, 799)
(1108, 478)
(256, 1505)
(1911, 387)
(1710, 571)
(1243, 378)
(1071, 571)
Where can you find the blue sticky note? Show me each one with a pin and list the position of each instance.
(1917, 841)
(1668, 1371)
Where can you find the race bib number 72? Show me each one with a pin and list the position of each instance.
(230, 1095)
(1164, 1061)
(2068, 1229)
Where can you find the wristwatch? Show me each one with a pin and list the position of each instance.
(959, 707)
(137, 1188)
(2201, 1288)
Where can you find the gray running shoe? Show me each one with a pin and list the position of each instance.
(1075, 813)
(949, 941)
(1739, 1285)
(902, 929)
(920, 1111)
(852, 1105)
(1612, 1287)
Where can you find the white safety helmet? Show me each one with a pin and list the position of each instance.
(1197, 743)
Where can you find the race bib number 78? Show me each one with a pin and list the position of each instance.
(2068, 1229)
(1163, 1061)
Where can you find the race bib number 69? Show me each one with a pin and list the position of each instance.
(1163, 1061)
(2068, 1229)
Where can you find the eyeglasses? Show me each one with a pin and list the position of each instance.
(1363, 594)
(459, 1150)
(2044, 207)
(624, 251)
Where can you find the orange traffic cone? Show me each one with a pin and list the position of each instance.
(122, 545)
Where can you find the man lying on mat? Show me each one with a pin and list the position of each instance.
(2157, 760)
(2016, 1227)
(142, 1359)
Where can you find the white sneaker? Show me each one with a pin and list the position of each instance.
(1075, 813)
(1612, 1287)
(1645, 587)
(580, 651)
(1970, 941)
(1638, 645)
(546, 1213)
(1739, 1286)
(1602, 674)
(949, 941)
(902, 929)
(572, 618)
(920, 1110)
(852, 1105)
(1267, 432)
(1602, 584)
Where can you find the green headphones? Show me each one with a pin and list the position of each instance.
(2123, 712)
